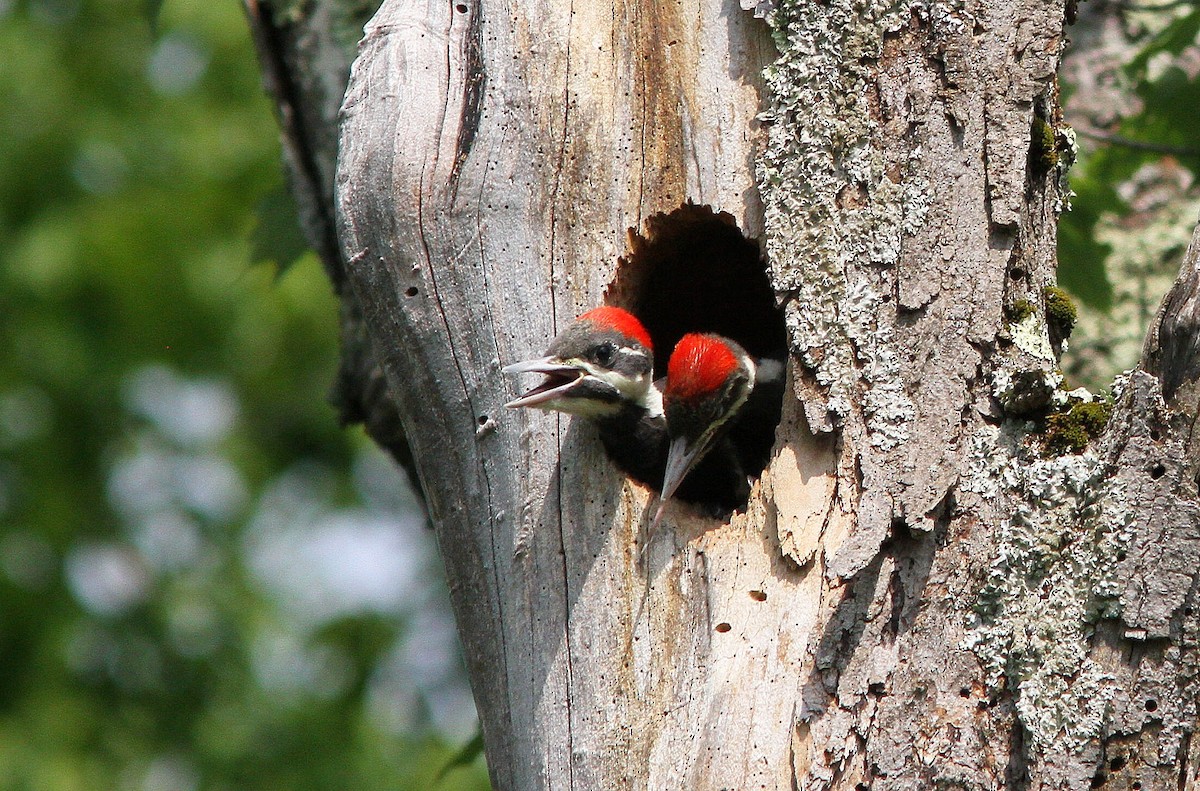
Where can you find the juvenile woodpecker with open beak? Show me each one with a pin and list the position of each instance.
(601, 368)
(721, 407)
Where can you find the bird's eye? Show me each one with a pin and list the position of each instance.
(605, 353)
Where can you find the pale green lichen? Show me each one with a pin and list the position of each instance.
(1031, 336)
(831, 207)
(1068, 152)
(1053, 577)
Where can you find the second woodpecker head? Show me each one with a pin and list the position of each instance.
(709, 378)
(601, 363)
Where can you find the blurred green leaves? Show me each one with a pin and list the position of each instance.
(1165, 125)
(191, 595)
(277, 238)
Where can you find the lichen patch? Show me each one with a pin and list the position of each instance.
(832, 203)
(1053, 577)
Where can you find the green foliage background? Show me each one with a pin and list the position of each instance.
(1136, 197)
(181, 602)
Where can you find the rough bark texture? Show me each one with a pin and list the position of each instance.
(919, 595)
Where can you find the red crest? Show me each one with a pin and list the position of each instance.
(699, 365)
(621, 321)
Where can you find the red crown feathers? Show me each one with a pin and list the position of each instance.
(699, 365)
(621, 321)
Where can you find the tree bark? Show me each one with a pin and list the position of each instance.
(920, 594)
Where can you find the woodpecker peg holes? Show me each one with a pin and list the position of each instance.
(692, 270)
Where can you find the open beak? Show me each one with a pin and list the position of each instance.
(560, 378)
(681, 458)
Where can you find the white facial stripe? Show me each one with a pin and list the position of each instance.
(632, 386)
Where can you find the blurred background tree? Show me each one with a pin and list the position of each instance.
(1132, 96)
(205, 582)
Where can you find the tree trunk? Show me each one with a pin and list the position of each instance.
(934, 584)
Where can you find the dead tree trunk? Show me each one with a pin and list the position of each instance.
(936, 584)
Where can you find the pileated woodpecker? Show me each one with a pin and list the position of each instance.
(601, 368)
(721, 408)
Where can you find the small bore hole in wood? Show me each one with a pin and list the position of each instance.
(1117, 764)
(1136, 785)
(1151, 704)
(1099, 780)
(1016, 273)
(483, 419)
(965, 692)
(461, 8)
(758, 595)
(723, 627)
(411, 291)
(1158, 471)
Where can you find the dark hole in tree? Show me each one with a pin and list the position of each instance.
(1016, 273)
(411, 291)
(1151, 705)
(483, 419)
(461, 8)
(1117, 763)
(723, 627)
(1137, 785)
(693, 270)
(1099, 780)
(1157, 471)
